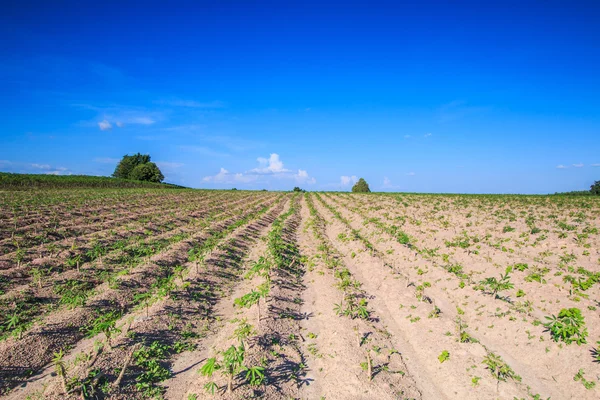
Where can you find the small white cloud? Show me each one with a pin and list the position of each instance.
(302, 177)
(225, 176)
(427, 135)
(40, 166)
(59, 171)
(347, 180)
(407, 136)
(410, 173)
(272, 165)
(269, 168)
(580, 165)
(560, 166)
(595, 165)
(104, 125)
(119, 124)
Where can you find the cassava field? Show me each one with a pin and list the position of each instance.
(185, 294)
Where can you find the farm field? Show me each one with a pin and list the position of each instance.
(189, 294)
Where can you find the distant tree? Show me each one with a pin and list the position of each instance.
(297, 189)
(128, 163)
(361, 186)
(595, 188)
(233, 188)
(138, 167)
(148, 172)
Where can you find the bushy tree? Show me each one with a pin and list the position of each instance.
(297, 189)
(148, 172)
(138, 167)
(361, 186)
(595, 188)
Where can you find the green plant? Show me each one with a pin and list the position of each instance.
(231, 364)
(445, 355)
(105, 323)
(60, 368)
(499, 369)
(568, 326)
(497, 285)
(255, 375)
(243, 331)
(148, 358)
(587, 384)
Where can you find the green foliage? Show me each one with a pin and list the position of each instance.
(105, 323)
(497, 285)
(38, 181)
(595, 188)
(231, 364)
(444, 356)
(138, 167)
(255, 375)
(568, 326)
(587, 384)
(128, 163)
(499, 368)
(148, 358)
(148, 172)
(361, 186)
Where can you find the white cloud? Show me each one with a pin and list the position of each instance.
(225, 176)
(410, 173)
(272, 165)
(40, 166)
(387, 184)
(348, 180)
(595, 165)
(407, 136)
(427, 135)
(271, 168)
(119, 124)
(560, 166)
(302, 177)
(580, 165)
(104, 125)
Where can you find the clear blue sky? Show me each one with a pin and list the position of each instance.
(469, 97)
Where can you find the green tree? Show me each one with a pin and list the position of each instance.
(297, 189)
(128, 163)
(148, 172)
(595, 188)
(361, 186)
(138, 167)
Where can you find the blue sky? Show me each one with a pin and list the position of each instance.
(430, 97)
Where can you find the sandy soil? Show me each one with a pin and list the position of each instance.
(369, 296)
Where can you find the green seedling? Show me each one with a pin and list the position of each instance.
(568, 326)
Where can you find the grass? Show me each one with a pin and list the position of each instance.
(34, 181)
